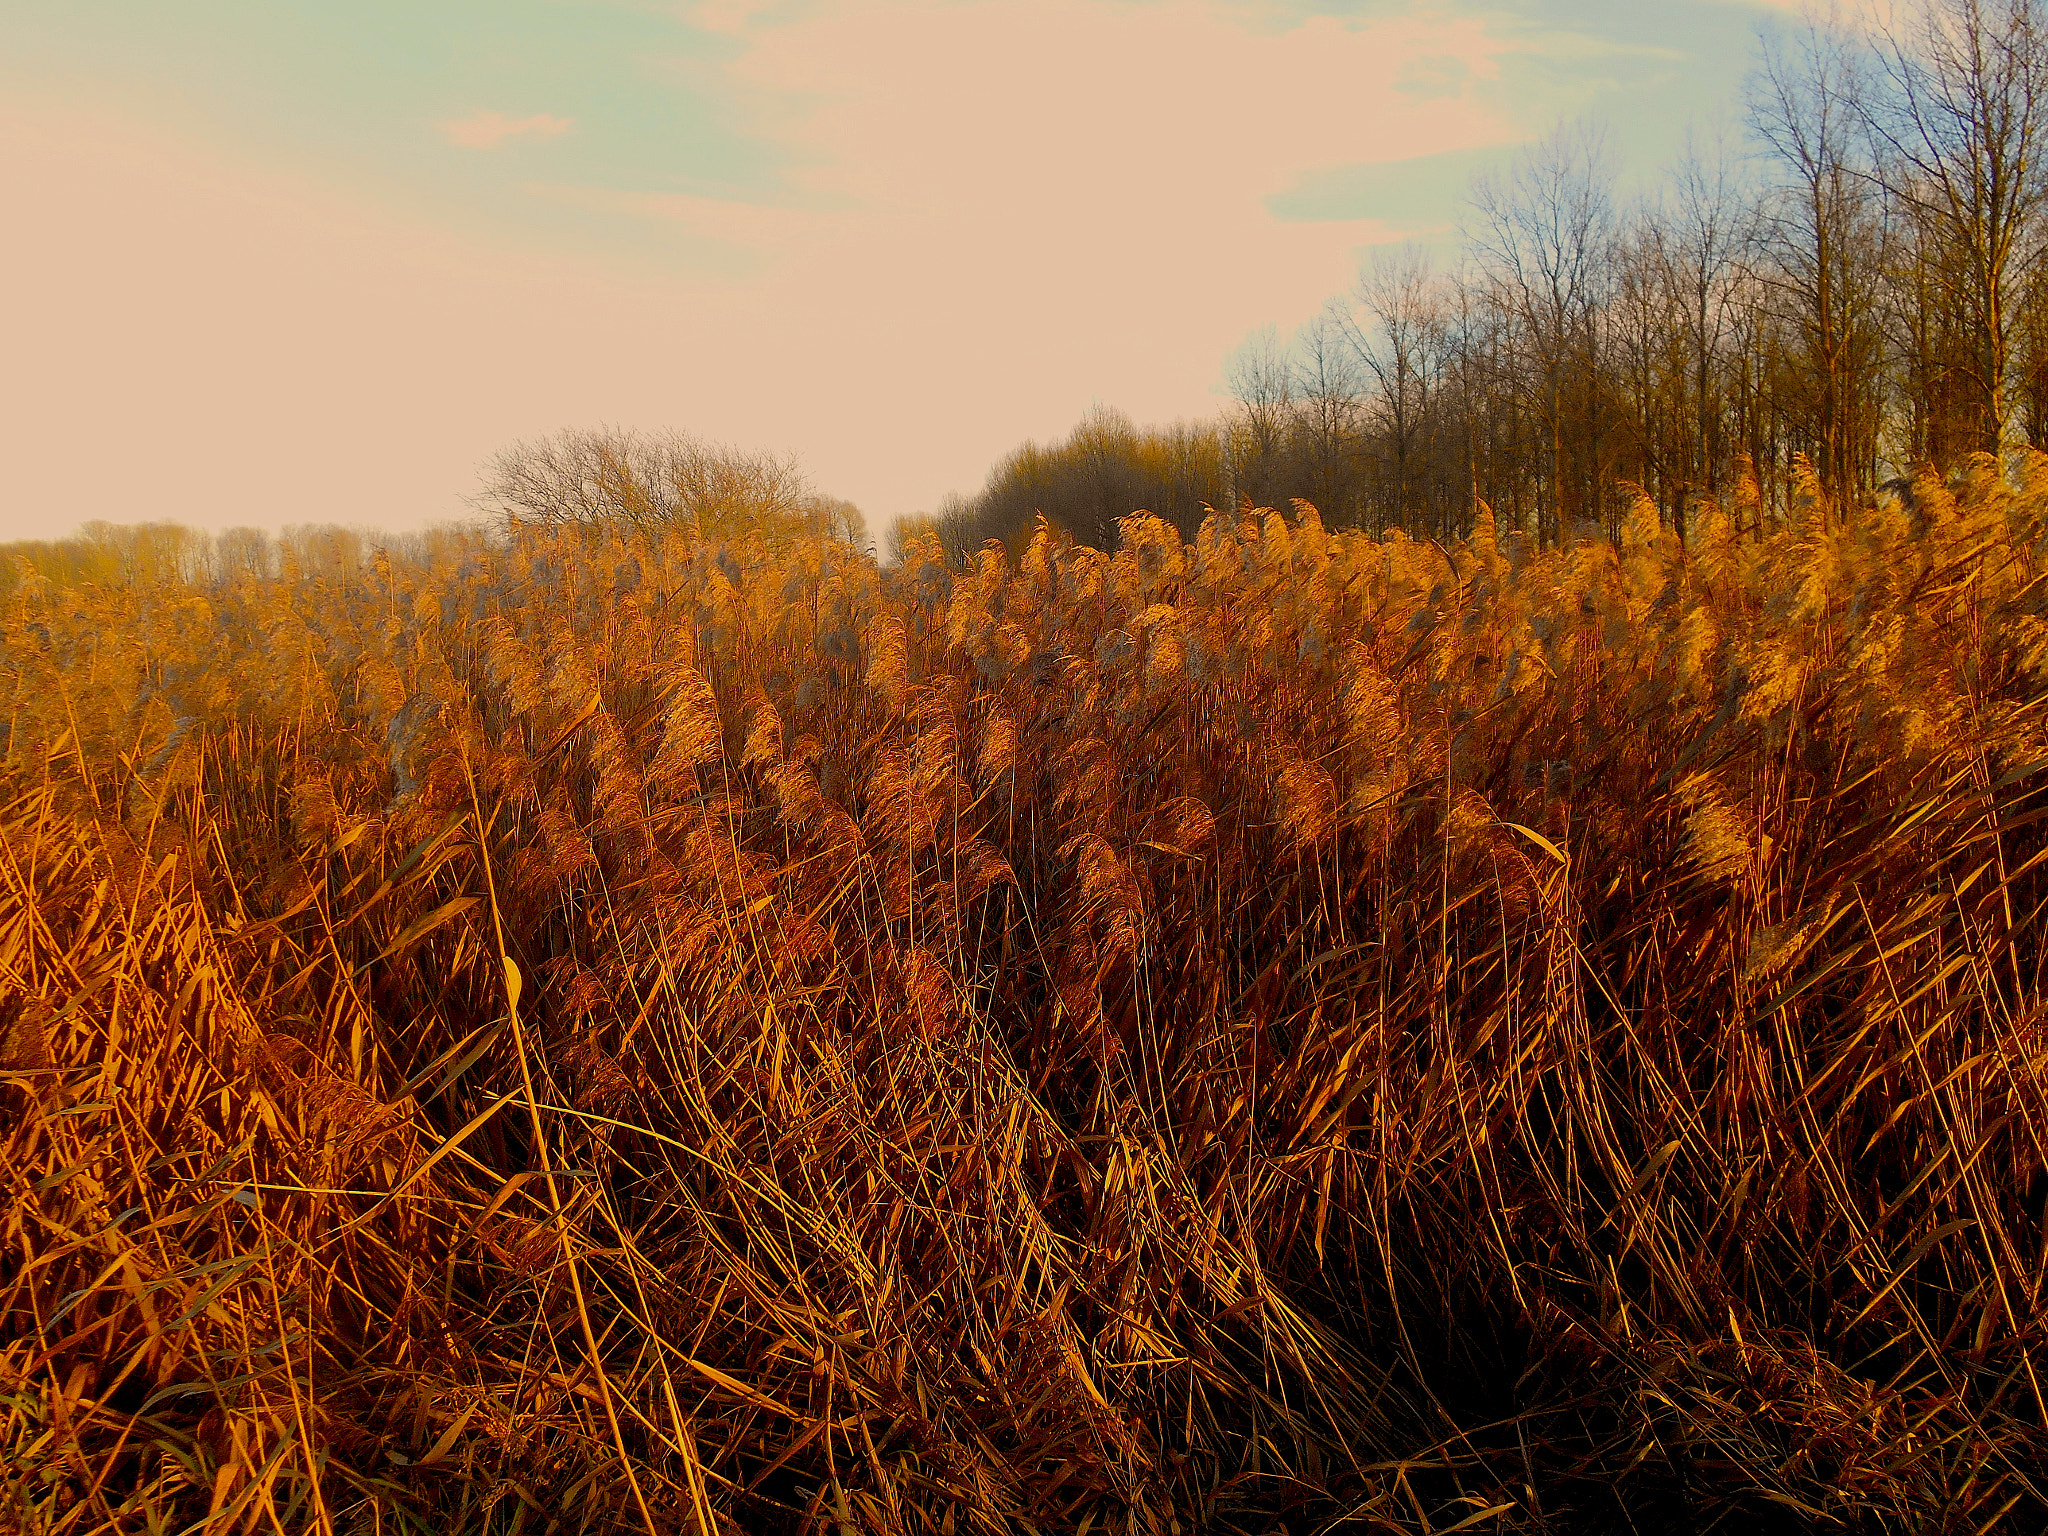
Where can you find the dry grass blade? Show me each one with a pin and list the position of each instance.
(599, 1029)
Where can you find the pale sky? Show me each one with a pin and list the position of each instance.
(270, 262)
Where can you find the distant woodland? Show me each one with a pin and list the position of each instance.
(1852, 275)
(1847, 281)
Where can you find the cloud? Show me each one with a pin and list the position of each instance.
(1829, 13)
(1417, 195)
(714, 235)
(732, 16)
(1433, 76)
(487, 130)
(1105, 136)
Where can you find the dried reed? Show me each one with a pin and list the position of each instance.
(603, 1030)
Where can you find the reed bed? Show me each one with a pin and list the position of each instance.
(593, 1029)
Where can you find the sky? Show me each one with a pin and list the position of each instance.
(268, 263)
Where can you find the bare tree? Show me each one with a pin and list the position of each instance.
(1398, 332)
(1327, 389)
(952, 522)
(1645, 353)
(243, 551)
(1711, 227)
(1261, 381)
(669, 479)
(1544, 228)
(1822, 232)
(1960, 130)
(837, 519)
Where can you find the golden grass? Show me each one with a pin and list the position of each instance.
(595, 1031)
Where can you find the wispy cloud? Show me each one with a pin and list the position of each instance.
(718, 235)
(728, 16)
(487, 130)
(1417, 195)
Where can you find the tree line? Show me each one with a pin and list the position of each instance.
(1853, 280)
(591, 478)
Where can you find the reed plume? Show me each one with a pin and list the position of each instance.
(598, 1027)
